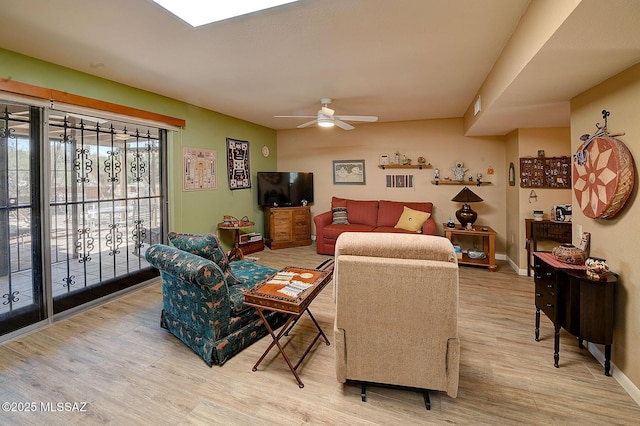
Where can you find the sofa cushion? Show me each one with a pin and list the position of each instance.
(250, 274)
(390, 211)
(362, 212)
(207, 246)
(338, 202)
(412, 220)
(331, 232)
(339, 216)
(391, 230)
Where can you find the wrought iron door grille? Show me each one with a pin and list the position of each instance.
(106, 199)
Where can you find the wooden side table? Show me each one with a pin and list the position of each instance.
(488, 242)
(236, 251)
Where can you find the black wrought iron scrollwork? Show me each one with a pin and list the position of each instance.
(139, 234)
(6, 132)
(138, 167)
(114, 239)
(113, 165)
(582, 155)
(69, 281)
(83, 165)
(84, 245)
(11, 297)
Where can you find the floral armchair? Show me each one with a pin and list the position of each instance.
(203, 296)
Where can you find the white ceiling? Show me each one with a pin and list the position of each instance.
(400, 60)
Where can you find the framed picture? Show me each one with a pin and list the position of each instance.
(348, 172)
(199, 169)
(384, 160)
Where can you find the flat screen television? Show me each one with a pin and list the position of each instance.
(285, 189)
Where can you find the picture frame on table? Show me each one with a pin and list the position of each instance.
(349, 172)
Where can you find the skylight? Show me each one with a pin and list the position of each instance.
(201, 12)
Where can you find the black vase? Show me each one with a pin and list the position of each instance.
(465, 215)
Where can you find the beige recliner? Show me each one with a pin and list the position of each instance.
(397, 311)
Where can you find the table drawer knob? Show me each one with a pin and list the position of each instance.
(549, 305)
(538, 294)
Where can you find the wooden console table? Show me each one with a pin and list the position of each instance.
(488, 242)
(572, 301)
(540, 230)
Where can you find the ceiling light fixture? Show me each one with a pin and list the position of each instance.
(198, 12)
(325, 122)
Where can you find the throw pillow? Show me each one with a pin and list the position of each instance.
(339, 216)
(412, 220)
(207, 246)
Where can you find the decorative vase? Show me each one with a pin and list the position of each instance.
(597, 268)
(568, 253)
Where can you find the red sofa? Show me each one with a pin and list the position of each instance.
(366, 216)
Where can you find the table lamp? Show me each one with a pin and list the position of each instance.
(466, 215)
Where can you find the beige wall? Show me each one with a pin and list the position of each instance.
(515, 241)
(441, 142)
(616, 239)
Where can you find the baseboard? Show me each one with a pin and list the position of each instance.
(515, 267)
(620, 377)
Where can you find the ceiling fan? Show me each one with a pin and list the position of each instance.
(327, 118)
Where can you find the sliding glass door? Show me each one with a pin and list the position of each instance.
(21, 284)
(92, 192)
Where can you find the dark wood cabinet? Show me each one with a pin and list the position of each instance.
(574, 302)
(287, 227)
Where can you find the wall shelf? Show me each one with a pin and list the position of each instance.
(456, 182)
(405, 166)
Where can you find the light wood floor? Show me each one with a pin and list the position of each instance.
(130, 371)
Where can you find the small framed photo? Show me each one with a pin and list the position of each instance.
(541, 153)
(384, 160)
(348, 172)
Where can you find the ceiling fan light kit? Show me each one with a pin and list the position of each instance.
(326, 117)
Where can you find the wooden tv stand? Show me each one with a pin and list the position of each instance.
(287, 227)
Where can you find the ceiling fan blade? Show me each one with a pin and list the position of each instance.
(309, 123)
(367, 118)
(294, 116)
(343, 125)
(327, 111)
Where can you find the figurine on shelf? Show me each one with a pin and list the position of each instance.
(436, 176)
(479, 179)
(397, 157)
(459, 171)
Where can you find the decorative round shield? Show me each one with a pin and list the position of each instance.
(603, 183)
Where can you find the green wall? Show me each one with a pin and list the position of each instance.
(197, 211)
